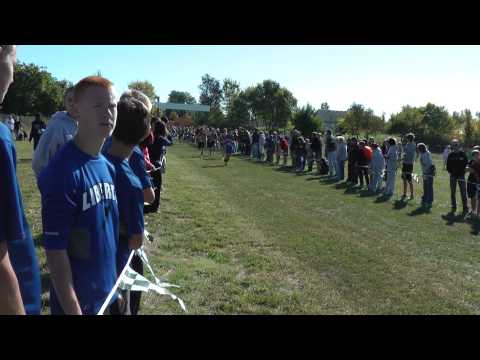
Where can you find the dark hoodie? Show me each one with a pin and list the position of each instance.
(456, 163)
(316, 145)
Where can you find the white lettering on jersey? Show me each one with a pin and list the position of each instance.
(86, 204)
(108, 193)
(92, 197)
(96, 190)
(114, 194)
(97, 193)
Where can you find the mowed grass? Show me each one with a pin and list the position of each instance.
(250, 238)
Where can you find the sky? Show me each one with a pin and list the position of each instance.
(383, 78)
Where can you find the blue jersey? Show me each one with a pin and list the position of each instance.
(14, 228)
(137, 163)
(130, 206)
(80, 215)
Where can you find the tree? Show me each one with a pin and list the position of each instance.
(275, 104)
(269, 104)
(324, 106)
(376, 125)
(306, 120)
(469, 128)
(230, 90)
(179, 97)
(438, 126)
(284, 104)
(253, 98)
(216, 118)
(458, 119)
(407, 120)
(370, 123)
(210, 94)
(354, 119)
(239, 111)
(144, 86)
(34, 90)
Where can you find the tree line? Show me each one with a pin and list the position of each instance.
(266, 104)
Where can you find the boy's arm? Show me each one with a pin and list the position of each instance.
(137, 164)
(59, 208)
(61, 273)
(11, 228)
(148, 195)
(136, 224)
(10, 297)
(135, 241)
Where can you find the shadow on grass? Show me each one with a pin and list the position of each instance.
(342, 185)
(366, 193)
(399, 204)
(475, 227)
(302, 173)
(213, 166)
(451, 218)
(352, 190)
(284, 169)
(383, 198)
(313, 178)
(23, 161)
(328, 180)
(419, 211)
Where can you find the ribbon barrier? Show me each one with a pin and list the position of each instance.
(115, 287)
(133, 281)
(129, 279)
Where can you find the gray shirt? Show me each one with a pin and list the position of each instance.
(426, 162)
(342, 151)
(60, 129)
(392, 158)
(410, 150)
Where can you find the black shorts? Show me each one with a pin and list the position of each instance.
(210, 144)
(472, 190)
(201, 145)
(407, 170)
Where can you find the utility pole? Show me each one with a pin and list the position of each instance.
(158, 105)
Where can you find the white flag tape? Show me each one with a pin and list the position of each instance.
(129, 279)
(133, 281)
(112, 292)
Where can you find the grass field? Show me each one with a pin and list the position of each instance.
(253, 239)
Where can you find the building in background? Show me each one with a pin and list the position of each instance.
(330, 118)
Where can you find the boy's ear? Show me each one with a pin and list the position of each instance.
(74, 108)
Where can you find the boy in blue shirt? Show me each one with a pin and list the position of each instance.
(19, 270)
(79, 207)
(132, 127)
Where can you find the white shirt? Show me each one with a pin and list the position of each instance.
(392, 157)
(60, 129)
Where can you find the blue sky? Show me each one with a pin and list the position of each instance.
(380, 77)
